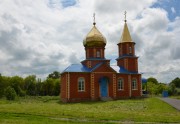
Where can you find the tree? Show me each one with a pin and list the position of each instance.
(152, 88)
(161, 87)
(4, 83)
(10, 93)
(39, 85)
(54, 75)
(2, 86)
(17, 83)
(49, 86)
(176, 82)
(30, 85)
(57, 87)
(172, 89)
(153, 80)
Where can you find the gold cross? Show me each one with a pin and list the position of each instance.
(94, 23)
(125, 16)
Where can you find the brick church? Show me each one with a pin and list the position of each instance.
(95, 79)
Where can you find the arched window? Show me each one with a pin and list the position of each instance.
(120, 84)
(134, 84)
(130, 49)
(98, 54)
(81, 84)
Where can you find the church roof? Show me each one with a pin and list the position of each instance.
(120, 69)
(77, 68)
(125, 37)
(82, 68)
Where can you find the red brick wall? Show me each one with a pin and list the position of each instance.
(124, 48)
(94, 62)
(63, 87)
(137, 93)
(76, 96)
(125, 92)
(104, 68)
(132, 66)
(74, 93)
(120, 62)
(97, 77)
(91, 52)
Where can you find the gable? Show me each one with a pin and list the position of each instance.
(103, 68)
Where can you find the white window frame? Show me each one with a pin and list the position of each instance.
(98, 54)
(81, 84)
(130, 49)
(120, 84)
(134, 84)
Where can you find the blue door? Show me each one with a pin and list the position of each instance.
(103, 87)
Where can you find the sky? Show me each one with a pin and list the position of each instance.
(42, 36)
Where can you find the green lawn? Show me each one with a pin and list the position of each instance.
(38, 110)
(175, 97)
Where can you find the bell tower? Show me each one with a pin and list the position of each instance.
(127, 58)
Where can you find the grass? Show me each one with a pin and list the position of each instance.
(36, 110)
(175, 97)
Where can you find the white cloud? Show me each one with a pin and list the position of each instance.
(43, 36)
(173, 10)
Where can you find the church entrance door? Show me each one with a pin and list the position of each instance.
(104, 87)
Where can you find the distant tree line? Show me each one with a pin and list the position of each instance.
(10, 87)
(30, 85)
(153, 87)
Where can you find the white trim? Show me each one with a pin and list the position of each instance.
(98, 54)
(82, 83)
(134, 87)
(122, 83)
(114, 85)
(92, 85)
(130, 49)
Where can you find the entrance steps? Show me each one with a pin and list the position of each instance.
(106, 98)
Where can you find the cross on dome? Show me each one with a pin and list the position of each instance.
(94, 23)
(125, 16)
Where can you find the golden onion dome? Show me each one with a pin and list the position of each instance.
(94, 38)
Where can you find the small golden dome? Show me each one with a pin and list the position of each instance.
(94, 38)
(125, 37)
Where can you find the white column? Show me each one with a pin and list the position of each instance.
(92, 86)
(114, 85)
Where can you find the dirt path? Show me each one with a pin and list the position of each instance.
(173, 102)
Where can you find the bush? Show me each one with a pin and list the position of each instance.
(10, 93)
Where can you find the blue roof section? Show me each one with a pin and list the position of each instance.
(77, 68)
(120, 69)
(82, 68)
